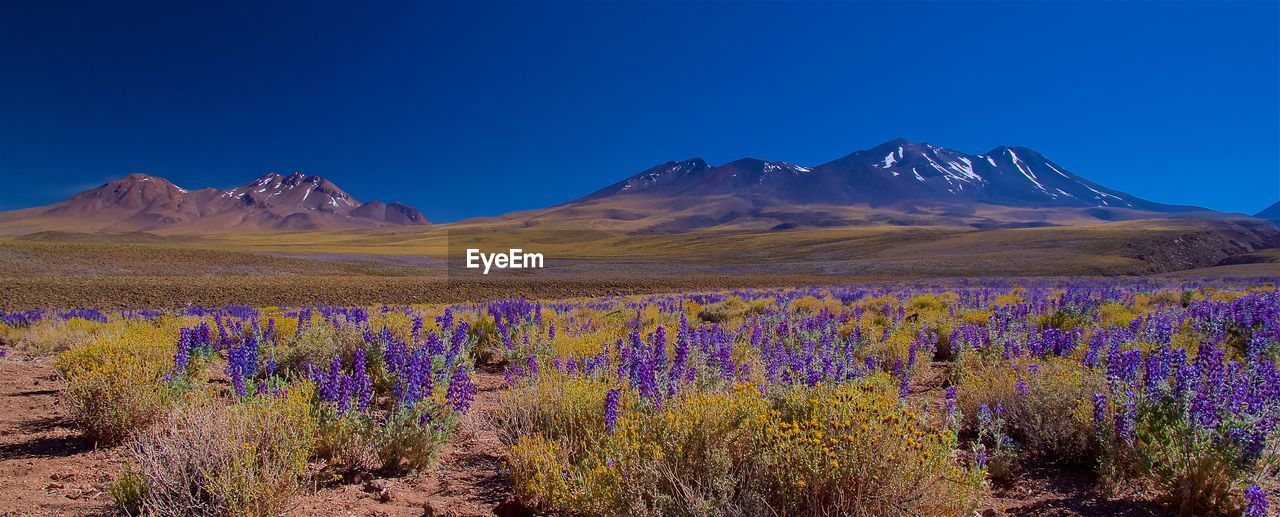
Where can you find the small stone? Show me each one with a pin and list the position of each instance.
(375, 485)
(511, 508)
(431, 511)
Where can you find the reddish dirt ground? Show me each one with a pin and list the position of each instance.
(1055, 493)
(46, 468)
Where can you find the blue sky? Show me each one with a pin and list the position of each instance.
(478, 109)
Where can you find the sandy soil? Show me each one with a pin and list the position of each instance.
(1052, 492)
(46, 468)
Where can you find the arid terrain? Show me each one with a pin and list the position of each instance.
(930, 354)
(409, 265)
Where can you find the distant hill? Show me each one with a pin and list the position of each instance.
(1272, 212)
(138, 202)
(895, 183)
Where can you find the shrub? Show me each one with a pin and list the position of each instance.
(1194, 472)
(538, 468)
(116, 384)
(128, 492)
(692, 457)
(1047, 405)
(419, 412)
(1064, 319)
(411, 438)
(1114, 315)
(897, 346)
(51, 336)
(1198, 431)
(565, 409)
(212, 459)
(975, 317)
(808, 305)
(489, 348)
(316, 344)
(823, 450)
(727, 310)
(347, 443)
(854, 449)
(697, 456)
(926, 303)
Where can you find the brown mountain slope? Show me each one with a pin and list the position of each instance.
(139, 202)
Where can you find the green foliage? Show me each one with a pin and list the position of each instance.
(1194, 474)
(410, 439)
(1064, 319)
(393, 442)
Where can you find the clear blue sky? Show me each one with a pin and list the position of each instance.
(479, 109)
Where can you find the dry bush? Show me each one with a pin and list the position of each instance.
(852, 449)
(206, 458)
(317, 344)
(855, 450)
(51, 336)
(562, 408)
(1050, 415)
(115, 385)
(696, 457)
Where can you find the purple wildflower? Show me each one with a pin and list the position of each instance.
(1256, 502)
(1126, 419)
(461, 390)
(362, 384)
(611, 402)
(1099, 410)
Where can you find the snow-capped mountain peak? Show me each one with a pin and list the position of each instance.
(272, 201)
(897, 171)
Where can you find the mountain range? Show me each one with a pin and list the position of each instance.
(139, 202)
(891, 173)
(896, 183)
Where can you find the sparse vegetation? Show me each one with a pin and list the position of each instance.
(865, 399)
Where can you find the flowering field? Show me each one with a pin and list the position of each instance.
(882, 399)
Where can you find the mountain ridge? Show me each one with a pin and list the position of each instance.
(1271, 212)
(896, 170)
(896, 183)
(140, 202)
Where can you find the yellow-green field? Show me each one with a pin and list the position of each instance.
(410, 264)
